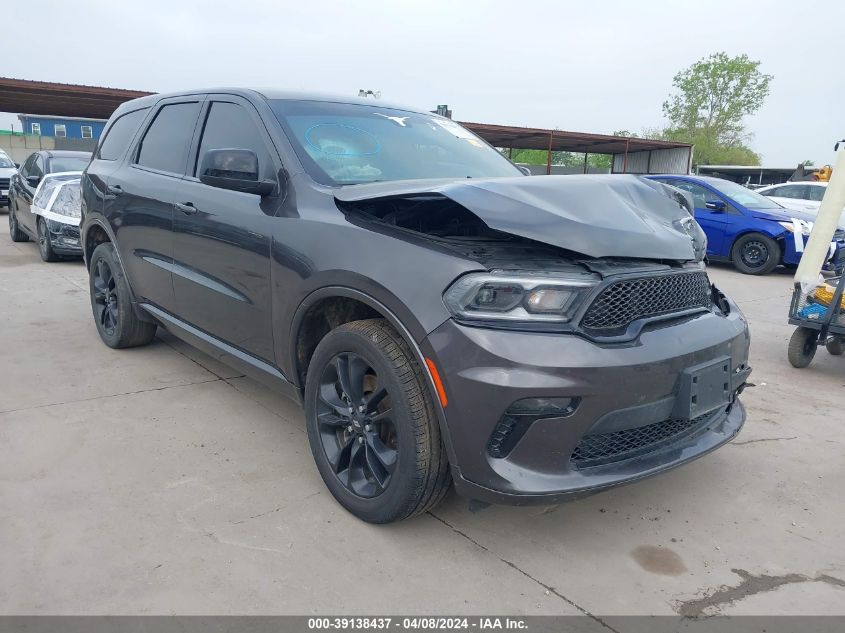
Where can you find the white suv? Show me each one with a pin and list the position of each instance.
(7, 168)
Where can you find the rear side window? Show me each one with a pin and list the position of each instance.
(797, 192)
(165, 145)
(816, 193)
(119, 134)
(229, 126)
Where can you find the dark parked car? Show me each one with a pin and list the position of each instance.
(56, 238)
(441, 316)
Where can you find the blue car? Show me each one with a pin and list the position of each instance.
(750, 230)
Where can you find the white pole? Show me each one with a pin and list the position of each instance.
(818, 246)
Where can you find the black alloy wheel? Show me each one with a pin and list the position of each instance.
(105, 298)
(371, 424)
(355, 420)
(117, 322)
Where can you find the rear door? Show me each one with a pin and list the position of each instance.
(142, 192)
(221, 248)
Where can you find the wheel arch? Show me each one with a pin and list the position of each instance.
(307, 330)
(777, 237)
(96, 233)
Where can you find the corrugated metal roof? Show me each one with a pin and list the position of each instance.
(57, 99)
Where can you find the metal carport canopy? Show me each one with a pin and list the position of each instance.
(509, 136)
(64, 100)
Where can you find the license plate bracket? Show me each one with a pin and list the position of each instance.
(703, 388)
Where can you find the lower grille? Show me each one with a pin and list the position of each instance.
(605, 448)
(4, 183)
(625, 301)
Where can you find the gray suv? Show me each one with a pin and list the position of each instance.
(442, 317)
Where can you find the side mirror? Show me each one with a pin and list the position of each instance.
(33, 180)
(716, 205)
(17, 165)
(234, 169)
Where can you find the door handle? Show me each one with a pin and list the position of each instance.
(115, 190)
(187, 208)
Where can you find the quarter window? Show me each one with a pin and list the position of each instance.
(119, 134)
(165, 145)
(87, 131)
(59, 130)
(229, 126)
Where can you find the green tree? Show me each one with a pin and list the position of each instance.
(808, 163)
(711, 100)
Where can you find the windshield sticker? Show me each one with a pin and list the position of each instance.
(396, 119)
(339, 139)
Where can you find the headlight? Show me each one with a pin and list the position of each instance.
(790, 226)
(506, 296)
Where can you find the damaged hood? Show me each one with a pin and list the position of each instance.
(595, 215)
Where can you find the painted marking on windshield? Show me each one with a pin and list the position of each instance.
(396, 119)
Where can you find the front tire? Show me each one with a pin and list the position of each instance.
(802, 347)
(111, 302)
(371, 424)
(15, 230)
(755, 254)
(45, 245)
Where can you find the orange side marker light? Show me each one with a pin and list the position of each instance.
(438, 384)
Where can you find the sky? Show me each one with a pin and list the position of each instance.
(580, 66)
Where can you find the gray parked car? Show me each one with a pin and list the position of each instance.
(441, 316)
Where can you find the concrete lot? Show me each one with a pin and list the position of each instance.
(155, 480)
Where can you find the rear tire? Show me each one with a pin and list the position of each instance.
(378, 448)
(755, 254)
(111, 302)
(802, 347)
(835, 346)
(15, 230)
(45, 245)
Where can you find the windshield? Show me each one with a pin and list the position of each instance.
(343, 143)
(744, 196)
(5, 161)
(68, 163)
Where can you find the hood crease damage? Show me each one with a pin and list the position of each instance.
(609, 216)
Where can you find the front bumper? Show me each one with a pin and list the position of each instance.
(792, 255)
(620, 388)
(64, 238)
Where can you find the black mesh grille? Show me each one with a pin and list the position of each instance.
(623, 302)
(4, 183)
(604, 448)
